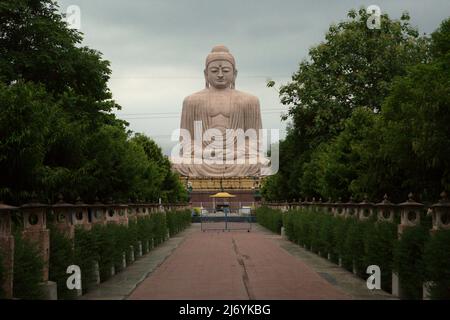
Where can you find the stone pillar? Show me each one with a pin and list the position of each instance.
(386, 210)
(339, 209)
(440, 213)
(124, 260)
(7, 249)
(80, 215)
(366, 210)
(410, 217)
(123, 214)
(139, 254)
(99, 212)
(112, 215)
(63, 217)
(350, 209)
(35, 231)
(132, 254)
(283, 233)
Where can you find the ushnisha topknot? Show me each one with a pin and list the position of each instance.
(220, 52)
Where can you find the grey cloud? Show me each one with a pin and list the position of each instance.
(154, 44)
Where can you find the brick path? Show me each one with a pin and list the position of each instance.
(234, 265)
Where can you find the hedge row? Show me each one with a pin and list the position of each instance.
(104, 244)
(270, 218)
(416, 257)
(177, 221)
(28, 267)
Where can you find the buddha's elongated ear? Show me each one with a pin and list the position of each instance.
(233, 83)
(205, 72)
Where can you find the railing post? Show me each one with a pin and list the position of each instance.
(35, 230)
(63, 217)
(80, 215)
(409, 217)
(386, 210)
(7, 248)
(366, 209)
(440, 213)
(99, 212)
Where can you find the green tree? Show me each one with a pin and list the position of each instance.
(352, 68)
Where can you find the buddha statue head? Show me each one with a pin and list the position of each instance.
(220, 68)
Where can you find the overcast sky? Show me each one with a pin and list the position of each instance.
(157, 49)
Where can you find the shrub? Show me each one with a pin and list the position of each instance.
(85, 253)
(270, 219)
(437, 257)
(408, 261)
(61, 256)
(178, 220)
(28, 268)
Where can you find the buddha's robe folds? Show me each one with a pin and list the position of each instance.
(240, 111)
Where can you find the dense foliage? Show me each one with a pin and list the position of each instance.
(270, 218)
(57, 129)
(416, 256)
(106, 244)
(357, 244)
(369, 115)
(28, 268)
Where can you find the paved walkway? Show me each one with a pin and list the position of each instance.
(241, 265)
(233, 265)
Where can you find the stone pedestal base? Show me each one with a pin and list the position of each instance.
(139, 253)
(131, 254)
(426, 290)
(396, 289)
(283, 233)
(124, 260)
(49, 290)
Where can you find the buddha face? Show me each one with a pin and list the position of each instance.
(220, 74)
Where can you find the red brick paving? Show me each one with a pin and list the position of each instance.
(233, 265)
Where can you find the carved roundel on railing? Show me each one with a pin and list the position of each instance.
(366, 212)
(351, 211)
(445, 218)
(79, 215)
(386, 214)
(411, 216)
(111, 212)
(98, 214)
(339, 210)
(33, 219)
(61, 217)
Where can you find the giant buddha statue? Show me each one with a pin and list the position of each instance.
(219, 106)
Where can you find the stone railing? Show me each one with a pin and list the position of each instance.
(68, 216)
(407, 214)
